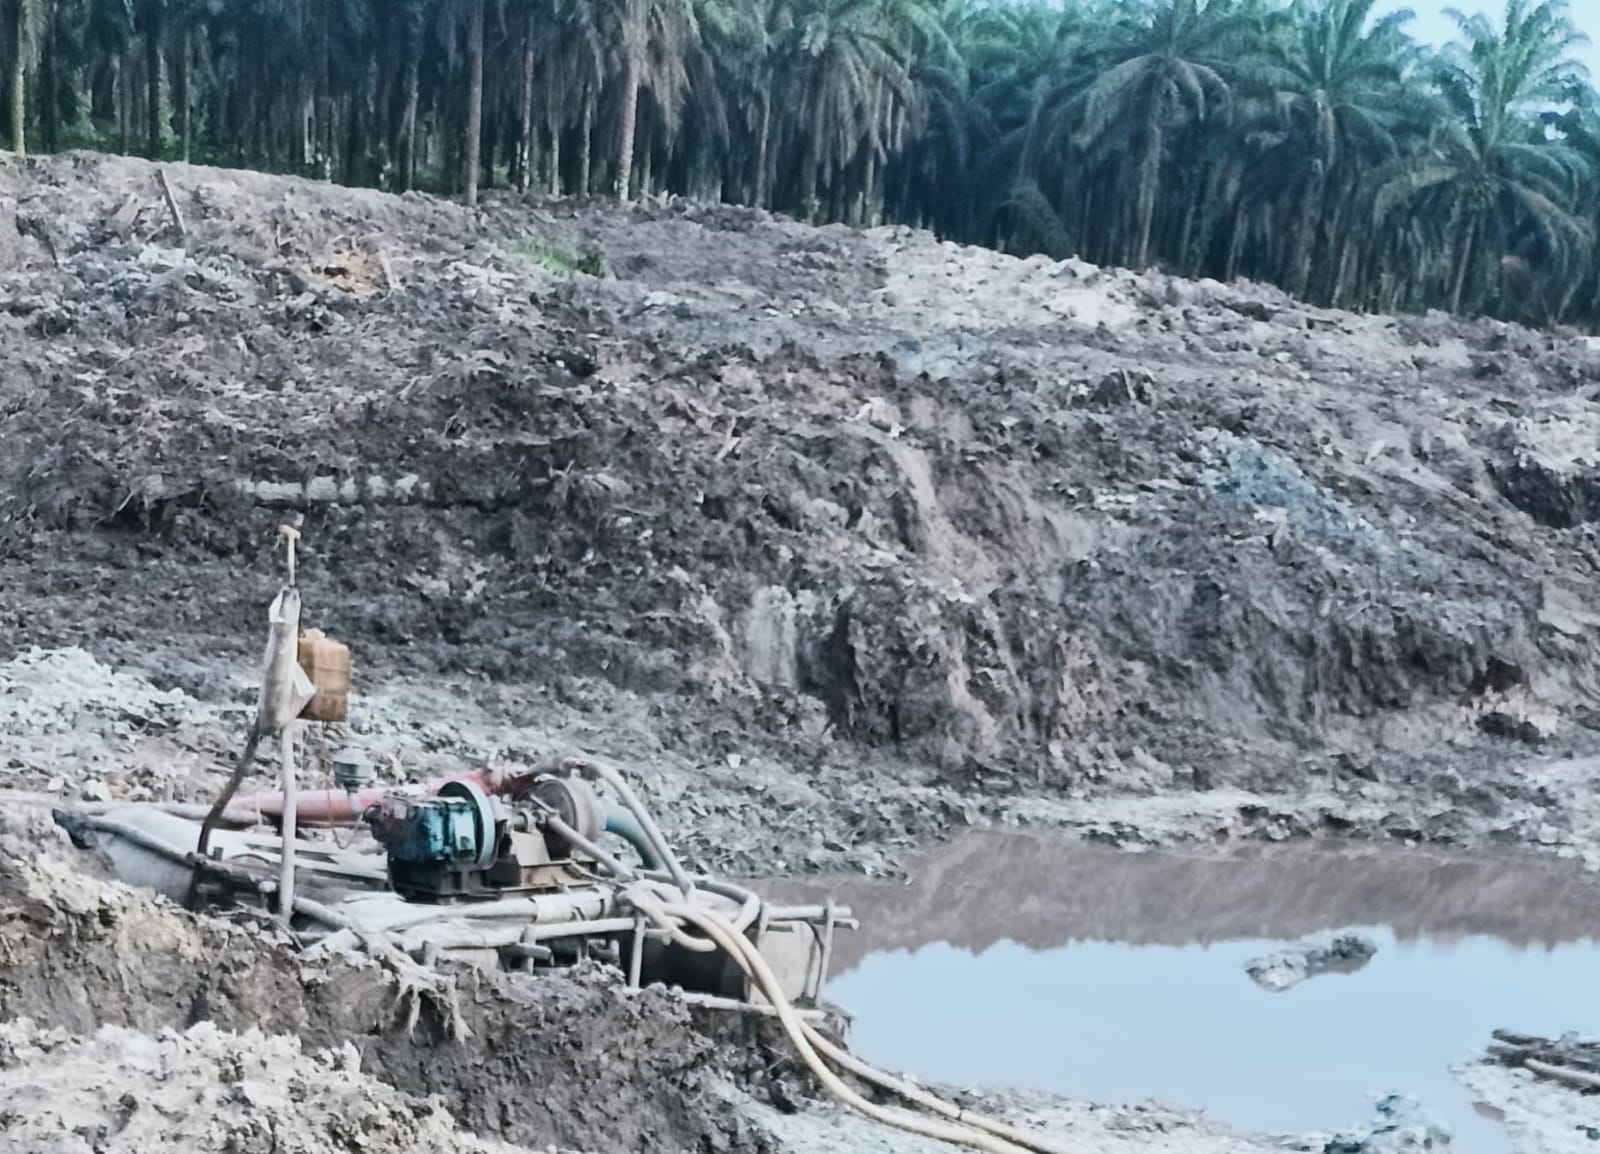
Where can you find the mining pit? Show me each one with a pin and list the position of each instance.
(1087, 635)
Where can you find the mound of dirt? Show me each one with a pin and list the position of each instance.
(849, 536)
(203, 1090)
(574, 1060)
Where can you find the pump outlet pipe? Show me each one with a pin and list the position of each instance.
(623, 824)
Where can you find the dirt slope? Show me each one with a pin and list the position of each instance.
(846, 536)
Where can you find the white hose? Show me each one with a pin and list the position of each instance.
(649, 904)
(974, 1131)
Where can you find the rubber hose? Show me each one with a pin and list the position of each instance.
(624, 825)
(756, 967)
(749, 901)
(650, 906)
(899, 1086)
(652, 831)
(146, 840)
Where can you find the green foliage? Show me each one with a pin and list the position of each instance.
(554, 256)
(1313, 143)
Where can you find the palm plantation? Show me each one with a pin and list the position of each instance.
(1312, 143)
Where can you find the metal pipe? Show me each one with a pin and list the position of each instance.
(636, 954)
(323, 808)
(595, 928)
(828, 924)
(842, 915)
(528, 952)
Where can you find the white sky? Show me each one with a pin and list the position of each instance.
(1433, 26)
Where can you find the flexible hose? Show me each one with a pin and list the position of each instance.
(572, 837)
(917, 1094)
(652, 831)
(148, 841)
(215, 814)
(749, 901)
(754, 965)
(975, 1130)
(751, 960)
(648, 904)
(623, 824)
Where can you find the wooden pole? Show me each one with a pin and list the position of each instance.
(290, 816)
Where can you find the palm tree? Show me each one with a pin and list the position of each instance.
(25, 18)
(1339, 88)
(474, 134)
(1155, 76)
(410, 19)
(1491, 165)
(838, 56)
(152, 15)
(653, 37)
(570, 68)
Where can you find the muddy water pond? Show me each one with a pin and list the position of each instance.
(1009, 960)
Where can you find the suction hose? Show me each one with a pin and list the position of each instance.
(623, 824)
(647, 825)
(973, 1130)
(662, 907)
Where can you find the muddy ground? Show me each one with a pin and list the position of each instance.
(841, 540)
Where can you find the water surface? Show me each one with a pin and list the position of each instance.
(1107, 976)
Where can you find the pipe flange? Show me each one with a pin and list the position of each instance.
(574, 802)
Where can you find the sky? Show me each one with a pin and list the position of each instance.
(1433, 26)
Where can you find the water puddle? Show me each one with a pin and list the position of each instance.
(1115, 977)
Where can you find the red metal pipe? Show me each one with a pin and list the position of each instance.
(325, 808)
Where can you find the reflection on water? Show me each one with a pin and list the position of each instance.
(1012, 961)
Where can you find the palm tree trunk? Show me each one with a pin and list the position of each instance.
(181, 93)
(1305, 239)
(1186, 235)
(758, 198)
(1342, 278)
(48, 83)
(408, 123)
(646, 156)
(1149, 181)
(813, 162)
(1235, 245)
(630, 115)
(474, 99)
(555, 159)
(1467, 254)
(19, 84)
(152, 65)
(525, 126)
(586, 143)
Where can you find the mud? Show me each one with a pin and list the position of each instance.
(203, 1089)
(853, 536)
(573, 1061)
(845, 541)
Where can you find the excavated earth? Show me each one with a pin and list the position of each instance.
(840, 540)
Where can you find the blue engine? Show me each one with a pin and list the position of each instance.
(433, 831)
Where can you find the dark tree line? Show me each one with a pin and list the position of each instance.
(1304, 142)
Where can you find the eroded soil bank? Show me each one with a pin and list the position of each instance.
(842, 541)
(846, 537)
